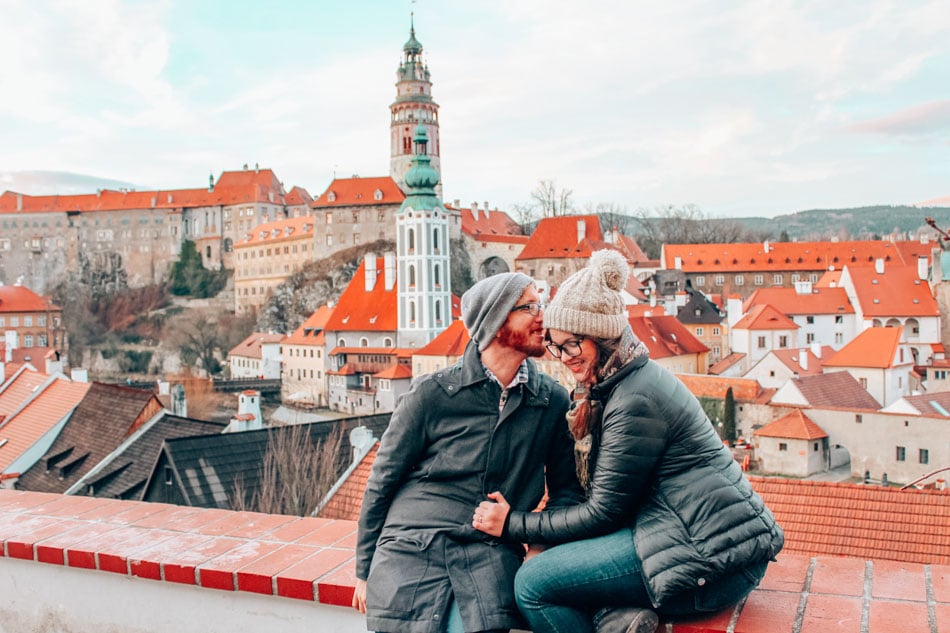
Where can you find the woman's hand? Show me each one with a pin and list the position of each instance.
(490, 516)
(359, 596)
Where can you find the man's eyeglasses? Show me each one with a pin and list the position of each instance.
(571, 347)
(533, 308)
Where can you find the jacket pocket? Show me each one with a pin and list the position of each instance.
(399, 566)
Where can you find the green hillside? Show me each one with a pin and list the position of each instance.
(858, 223)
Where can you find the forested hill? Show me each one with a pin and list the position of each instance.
(859, 223)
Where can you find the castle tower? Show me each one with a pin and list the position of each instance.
(413, 106)
(422, 252)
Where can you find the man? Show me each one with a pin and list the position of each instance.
(489, 423)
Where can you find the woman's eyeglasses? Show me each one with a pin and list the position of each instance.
(570, 347)
(533, 308)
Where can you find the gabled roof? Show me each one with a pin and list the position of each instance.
(310, 331)
(936, 404)
(708, 386)
(39, 413)
(278, 231)
(764, 317)
(103, 419)
(348, 192)
(709, 312)
(729, 361)
(836, 390)
(360, 311)
(22, 299)
(451, 342)
(346, 502)
(124, 472)
(791, 359)
(482, 223)
(207, 467)
(252, 346)
(298, 196)
(875, 347)
(394, 372)
(788, 301)
(858, 521)
(789, 256)
(665, 336)
(794, 426)
(898, 291)
(248, 178)
(557, 237)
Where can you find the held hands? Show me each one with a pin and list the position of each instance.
(490, 516)
(359, 596)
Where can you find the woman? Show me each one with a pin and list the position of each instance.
(670, 523)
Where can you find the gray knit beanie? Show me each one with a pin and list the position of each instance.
(589, 301)
(486, 305)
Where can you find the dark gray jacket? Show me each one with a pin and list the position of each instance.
(445, 449)
(661, 469)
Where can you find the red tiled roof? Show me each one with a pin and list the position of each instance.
(839, 519)
(483, 223)
(708, 386)
(666, 336)
(360, 191)
(278, 231)
(790, 358)
(346, 501)
(557, 237)
(764, 317)
(251, 346)
(642, 310)
(794, 426)
(789, 256)
(395, 372)
(298, 196)
(898, 291)
(19, 387)
(935, 404)
(727, 362)
(310, 331)
(247, 178)
(874, 347)
(788, 301)
(836, 390)
(359, 310)
(451, 342)
(22, 299)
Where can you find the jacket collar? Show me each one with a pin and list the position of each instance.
(473, 372)
(602, 391)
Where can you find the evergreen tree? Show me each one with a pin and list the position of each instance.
(188, 276)
(729, 417)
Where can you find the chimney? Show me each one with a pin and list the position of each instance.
(803, 358)
(581, 230)
(455, 203)
(879, 266)
(179, 403)
(765, 246)
(475, 211)
(922, 268)
(733, 310)
(12, 342)
(248, 417)
(361, 439)
(680, 298)
(389, 270)
(370, 271)
(486, 208)
(815, 350)
(19, 202)
(678, 263)
(79, 375)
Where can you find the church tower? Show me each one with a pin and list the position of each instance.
(422, 252)
(413, 106)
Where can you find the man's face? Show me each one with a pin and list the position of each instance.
(523, 331)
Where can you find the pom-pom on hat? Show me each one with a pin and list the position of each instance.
(589, 301)
(487, 304)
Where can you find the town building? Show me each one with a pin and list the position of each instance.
(706, 322)
(879, 361)
(354, 211)
(758, 332)
(303, 379)
(824, 315)
(29, 320)
(257, 356)
(266, 257)
(793, 445)
(491, 238)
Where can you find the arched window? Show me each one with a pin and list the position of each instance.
(341, 342)
(411, 239)
(437, 276)
(387, 342)
(364, 342)
(412, 312)
(435, 240)
(412, 276)
(438, 312)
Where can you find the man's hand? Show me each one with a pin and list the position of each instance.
(490, 516)
(359, 596)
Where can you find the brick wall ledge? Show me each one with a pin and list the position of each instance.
(309, 561)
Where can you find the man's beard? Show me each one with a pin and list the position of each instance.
(526, 342)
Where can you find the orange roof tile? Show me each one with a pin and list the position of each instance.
(22, 299)
(725, 363)
(344, 192)
(794, 426)
(789, 256)
(666, 336)
(41, 413)
(19, 387)
(396, 372)
(279, 231)
(557, 237)
(247, 177)
(870, 522)
(644, 309)
(358, 310)
(346, 501)
(835, 390)
(898, 291)
(707, 386)
(874, 347)
(298, 196)
(310, 331)
(790, 358)
(764, 317)
(451, 342)
(483, 223)
(251, 346)
(789, 302)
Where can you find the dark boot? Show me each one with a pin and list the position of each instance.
(626, 620)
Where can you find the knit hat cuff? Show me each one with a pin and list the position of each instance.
(559, 317)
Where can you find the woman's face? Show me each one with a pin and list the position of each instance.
(583, 365)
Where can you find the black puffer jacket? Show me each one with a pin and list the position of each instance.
(662, 470)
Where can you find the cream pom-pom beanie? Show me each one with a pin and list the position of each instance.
(589, 301)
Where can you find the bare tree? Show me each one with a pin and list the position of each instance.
(612, 216)
(525, 215)
(295, 474)
(199, 340)
(551, 201)
(687, 224)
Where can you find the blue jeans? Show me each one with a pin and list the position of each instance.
(560, 589)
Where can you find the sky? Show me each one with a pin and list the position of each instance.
(742, 108)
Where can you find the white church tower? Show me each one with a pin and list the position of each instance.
(422, 253)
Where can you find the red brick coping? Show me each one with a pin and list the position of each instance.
(312, 559)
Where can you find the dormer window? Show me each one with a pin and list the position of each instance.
(331, 197)
(378, 194)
